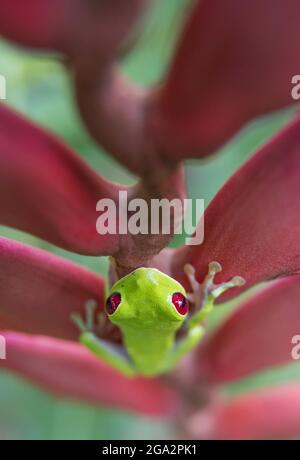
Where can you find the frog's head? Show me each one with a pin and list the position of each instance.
(147, 298)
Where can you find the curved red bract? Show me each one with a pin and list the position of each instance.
(68, 369)
(49, 191)
(36, 23)
(252, 224)
(235, 61)
(39, 291)
(272, 413)
(257, 336)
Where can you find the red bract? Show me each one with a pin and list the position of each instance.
(264, 236)
(61, 190)
(235, 61)
(272, 413)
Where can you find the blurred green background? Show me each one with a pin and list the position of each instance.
(38, 86)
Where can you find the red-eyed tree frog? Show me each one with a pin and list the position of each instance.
(150, 307)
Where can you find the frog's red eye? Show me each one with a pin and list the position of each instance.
(113, 302)
(180, 303)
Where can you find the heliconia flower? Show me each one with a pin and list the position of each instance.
(234, 62)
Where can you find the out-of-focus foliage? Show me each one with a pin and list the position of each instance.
(38, 86)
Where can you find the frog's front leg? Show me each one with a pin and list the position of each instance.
(111, 353)
(183, 346)
(204, 294)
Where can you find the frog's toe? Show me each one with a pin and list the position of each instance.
(86, 323)
(215, 290)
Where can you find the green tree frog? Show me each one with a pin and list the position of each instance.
(150, 307)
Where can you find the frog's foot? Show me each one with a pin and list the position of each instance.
(206, 292)
(87, 322)
(90, 322)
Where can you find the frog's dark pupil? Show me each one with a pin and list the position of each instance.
(113, 302)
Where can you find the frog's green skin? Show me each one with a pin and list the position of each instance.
(149, 322)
